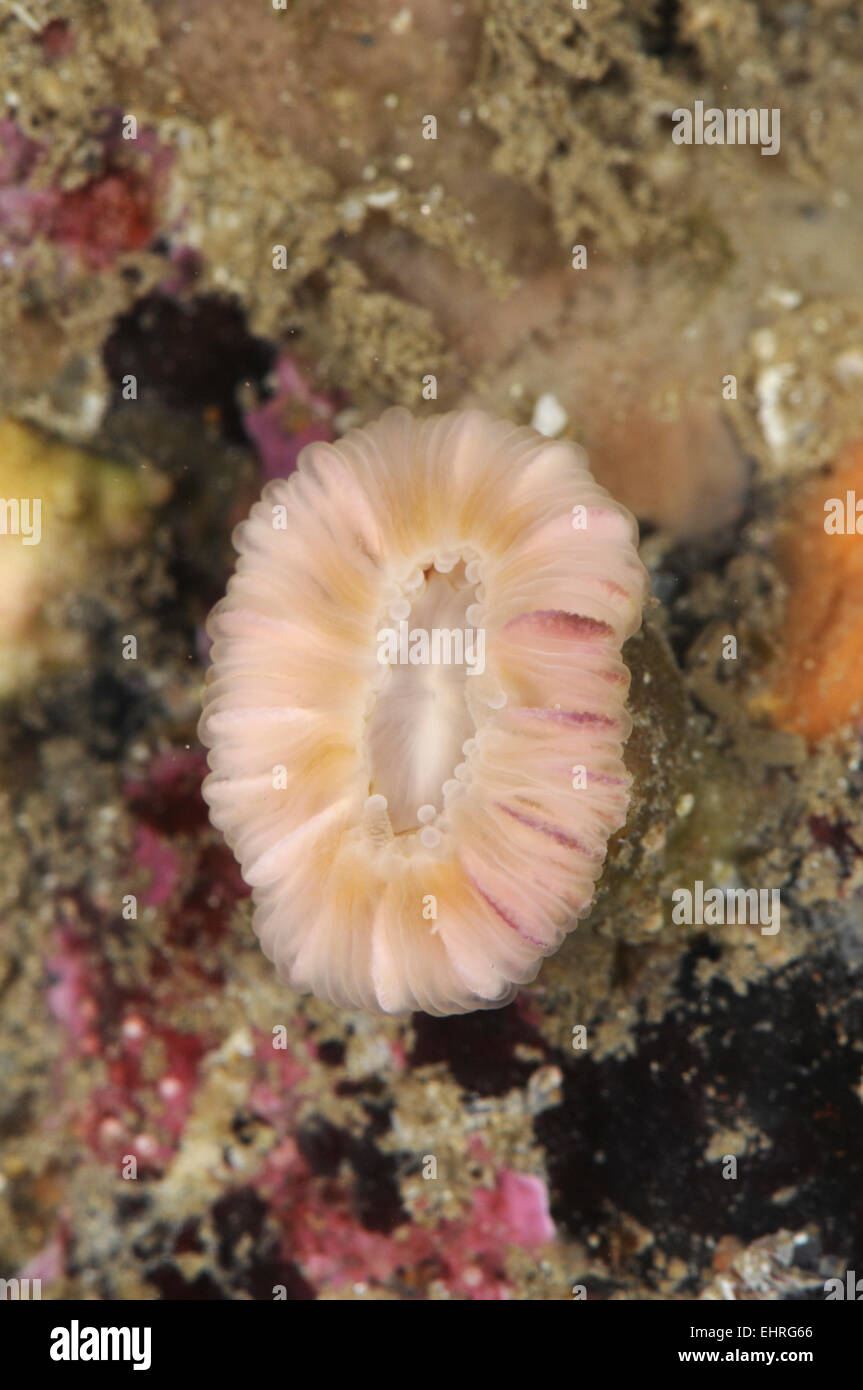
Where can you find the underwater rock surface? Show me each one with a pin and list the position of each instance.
(277, 251)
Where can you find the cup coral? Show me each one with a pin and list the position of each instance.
(419, 833)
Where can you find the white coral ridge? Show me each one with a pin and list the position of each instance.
(418, 836)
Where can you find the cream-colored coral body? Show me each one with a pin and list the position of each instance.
(419, 835)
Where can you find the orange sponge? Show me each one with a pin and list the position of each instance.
(819, 686)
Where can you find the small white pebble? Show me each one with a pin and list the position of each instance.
(352, 210)
(848, 367)
(549, 416)
(785, 298)
(383, 199)
(764, 344)
(347, 419)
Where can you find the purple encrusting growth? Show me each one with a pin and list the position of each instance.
(294, 417)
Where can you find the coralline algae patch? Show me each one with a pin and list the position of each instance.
(236, 1129)
(464, 1258)
(817, 686)
(200, 882)
(125, 1028)
(112, 212)
(133, 1112)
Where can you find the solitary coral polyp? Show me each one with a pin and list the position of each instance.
(431, 837)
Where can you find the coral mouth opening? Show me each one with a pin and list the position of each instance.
(430, 647)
